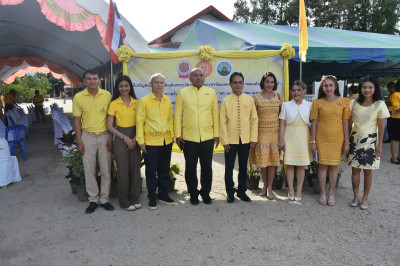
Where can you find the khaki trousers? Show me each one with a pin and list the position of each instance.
(128, 169)
(96, 145)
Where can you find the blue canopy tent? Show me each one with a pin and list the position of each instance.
(346, 54)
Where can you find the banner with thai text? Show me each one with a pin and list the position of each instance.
(217, 72)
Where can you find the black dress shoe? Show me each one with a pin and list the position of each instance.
(206, 199)
(391, 160)
(107, 206)
(194, 200)
(92, 207)
(230, 199)
(244, 197)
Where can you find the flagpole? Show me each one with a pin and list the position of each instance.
(111, 77)
(301, 70)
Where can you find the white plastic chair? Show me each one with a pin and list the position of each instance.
(9, 170)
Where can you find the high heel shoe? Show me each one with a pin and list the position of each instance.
(290, 197)
(263, 193)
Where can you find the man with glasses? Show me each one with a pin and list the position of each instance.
(238, 132)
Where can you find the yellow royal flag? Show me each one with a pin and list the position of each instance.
(303, 33)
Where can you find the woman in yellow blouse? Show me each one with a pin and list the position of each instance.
(329, 134)
(395, 124)
(126, 151)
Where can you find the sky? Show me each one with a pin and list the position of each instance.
(153, 18)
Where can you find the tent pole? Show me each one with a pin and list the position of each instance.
(111, 77)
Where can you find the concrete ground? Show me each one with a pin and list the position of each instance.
(42, 223)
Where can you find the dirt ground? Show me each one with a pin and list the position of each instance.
(42, 223)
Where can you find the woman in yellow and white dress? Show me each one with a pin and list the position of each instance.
(294, 137)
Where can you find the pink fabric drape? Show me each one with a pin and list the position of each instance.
(40, 62)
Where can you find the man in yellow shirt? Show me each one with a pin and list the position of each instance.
(238, 128)
(391, 89)
(38, 102)
(9, 102)
(90, 118)
(154, 134)
(196, 127)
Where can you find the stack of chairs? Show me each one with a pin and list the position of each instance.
(16, 133)
(31, 112)
(61, 124)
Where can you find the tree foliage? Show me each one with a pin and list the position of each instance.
(380, 16)
(26, 86)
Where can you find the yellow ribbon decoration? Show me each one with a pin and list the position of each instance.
(287, 51)
(206, 52)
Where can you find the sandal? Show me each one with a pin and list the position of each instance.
(322, 200)
(331, 201)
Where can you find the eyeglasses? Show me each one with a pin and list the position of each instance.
(237, 82)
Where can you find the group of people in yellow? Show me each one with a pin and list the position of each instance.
(261, 129)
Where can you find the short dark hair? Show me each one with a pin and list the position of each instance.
(264, 77)
(391, 84)
(353, 89)
(90, 71)
(397, 86)
(321, 93)
(37, 91)
(116, 93)
(377, 93)
(235, 74)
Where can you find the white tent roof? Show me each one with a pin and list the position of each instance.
(25, 31)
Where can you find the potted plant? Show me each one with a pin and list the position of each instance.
(74, 159)
(68, 140)
(253, 177)
(174, 169)
(279, 178)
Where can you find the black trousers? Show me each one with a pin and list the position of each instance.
(242, 150)
(39, 110)
(193, 151)
(157, 161)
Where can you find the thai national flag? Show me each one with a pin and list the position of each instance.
(115, 31)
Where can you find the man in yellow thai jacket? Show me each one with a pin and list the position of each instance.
(196, 127)
(239, 131)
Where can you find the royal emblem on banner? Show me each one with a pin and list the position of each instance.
(206, 67)
(184, 69)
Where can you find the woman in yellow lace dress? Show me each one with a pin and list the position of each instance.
(330, 116)
(265, 154)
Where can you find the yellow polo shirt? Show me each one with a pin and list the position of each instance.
(154, 120)
(389, 100)
(238, 118)
(92, 110)
(395, 99)
(196, 114)
(125, 115)
(38, 100)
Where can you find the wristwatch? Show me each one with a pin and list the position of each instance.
(122, 137)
